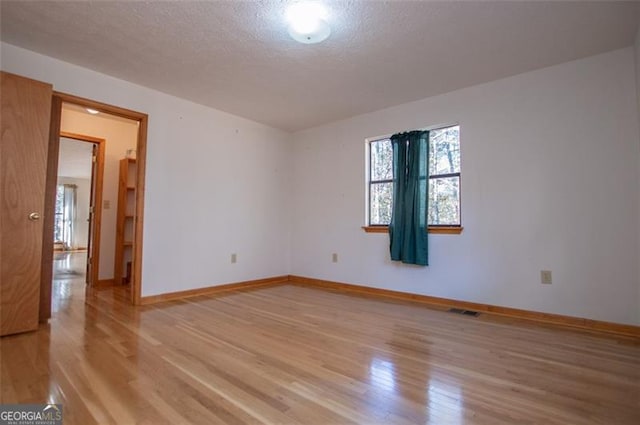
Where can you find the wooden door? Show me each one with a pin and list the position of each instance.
(26, 113)
(92, 209)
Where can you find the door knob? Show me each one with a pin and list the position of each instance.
(34, 216)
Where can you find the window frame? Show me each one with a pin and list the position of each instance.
(372, 182)
(431, 228)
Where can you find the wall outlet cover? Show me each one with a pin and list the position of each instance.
(545, 277)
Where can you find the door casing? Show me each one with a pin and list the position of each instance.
(141, 152)
(97, 182)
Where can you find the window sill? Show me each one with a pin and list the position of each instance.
(438, 230)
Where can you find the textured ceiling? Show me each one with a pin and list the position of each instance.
(236, 56)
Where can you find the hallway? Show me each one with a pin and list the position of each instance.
(69, 271)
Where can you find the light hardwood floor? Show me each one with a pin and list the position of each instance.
(290, 354)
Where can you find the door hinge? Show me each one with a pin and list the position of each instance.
(94, 158)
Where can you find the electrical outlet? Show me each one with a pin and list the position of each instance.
(234, 258)
(545, 277)
(334, 257)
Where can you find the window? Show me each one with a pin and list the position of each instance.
(58, 226)
(444, 179)
(65, 214)
(381, 182)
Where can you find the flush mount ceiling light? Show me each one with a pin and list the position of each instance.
(307, 22)
(92, 111)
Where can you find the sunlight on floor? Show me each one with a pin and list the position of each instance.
(68, 278)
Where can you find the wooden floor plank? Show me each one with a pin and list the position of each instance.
(298, 355)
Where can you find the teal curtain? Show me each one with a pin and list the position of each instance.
(408, 227)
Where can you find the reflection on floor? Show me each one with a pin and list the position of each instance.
(295, 355)
(69, 270)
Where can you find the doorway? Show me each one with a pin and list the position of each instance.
(104, 204)
(31, 125)
(77, 220)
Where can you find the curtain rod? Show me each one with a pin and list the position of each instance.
(431, 128)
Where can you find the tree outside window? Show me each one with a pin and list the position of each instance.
(444, 179)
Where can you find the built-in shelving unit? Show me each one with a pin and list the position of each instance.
(125, 222)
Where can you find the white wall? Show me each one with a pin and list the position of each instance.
(81, 225)
(119, 135)
(550, 177)
(550, 181)
(216, 184)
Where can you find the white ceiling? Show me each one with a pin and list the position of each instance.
(237, 56)
(74, 159)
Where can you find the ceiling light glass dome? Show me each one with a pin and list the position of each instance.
(308, 22)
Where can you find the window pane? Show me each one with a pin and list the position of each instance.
(444, 201)
(59, 199)
(381, 197)
(381, 160)
(58, 223)
(444, 151)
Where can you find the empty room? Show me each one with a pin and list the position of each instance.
(320, 212)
